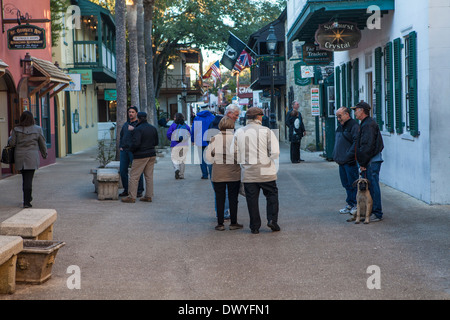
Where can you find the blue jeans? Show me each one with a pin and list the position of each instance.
(203, 165)
(126, 158)
(373, 175)
(348, 175)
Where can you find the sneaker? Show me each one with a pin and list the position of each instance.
(346, 210)
(236, 226)
(204, 178)
(220, 227)
(177, 174)
(374, 218)
(353, 210)
(128, 200)
(146, 199)
(273, 225)
(123, 194)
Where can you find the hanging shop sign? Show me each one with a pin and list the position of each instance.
(338, 36)
(86, 75)
(110, 94)
(312, 55)
(26, 37)
(299, 80)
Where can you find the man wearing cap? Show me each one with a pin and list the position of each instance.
(144, 138)
(198, 137)
(257, 149)
(126, 156)
(368, 154)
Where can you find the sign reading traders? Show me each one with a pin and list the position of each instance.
(26, 36)
(338, 36)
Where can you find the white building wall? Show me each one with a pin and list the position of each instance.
(419, 165)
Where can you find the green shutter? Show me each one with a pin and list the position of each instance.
(398, 86)
(356, 81)
(389, 111)
(412, 85)
(349, 84)
(378, 87)
(338, 87)
(344, 85)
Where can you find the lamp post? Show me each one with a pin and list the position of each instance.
(271, 43)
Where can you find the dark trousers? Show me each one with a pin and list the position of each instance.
(126, 158)
(295, 151)
(270, 191)
(233, 193)
(27, 185)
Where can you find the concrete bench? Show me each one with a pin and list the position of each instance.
(34, 224)
(108, 184)
(115, 165)
(10, 246)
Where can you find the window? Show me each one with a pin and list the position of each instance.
(411, 84)
(45, 117)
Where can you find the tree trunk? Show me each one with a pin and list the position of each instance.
(148, 26)
(133, 53)
(121, 70)
(141, 57)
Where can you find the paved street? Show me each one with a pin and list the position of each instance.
(168, 249)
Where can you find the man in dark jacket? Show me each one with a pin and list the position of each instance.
(368, 154)
(344, 156)
(144, 138)
(301, 132)
(126, 156)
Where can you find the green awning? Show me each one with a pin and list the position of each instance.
(316, 12)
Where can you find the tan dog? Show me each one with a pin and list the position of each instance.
(363, 199)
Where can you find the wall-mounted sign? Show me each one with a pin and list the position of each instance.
(338, 36)
(74, 85)
(312, 55)
(26, 37)
(299, 80)
(315, 102)
(86, 75)
(307, 71)
(110, 94)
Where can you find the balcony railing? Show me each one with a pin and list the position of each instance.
(180, 82)
(262, 72)
(86, 54)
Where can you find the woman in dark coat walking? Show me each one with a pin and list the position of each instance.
(28, 140)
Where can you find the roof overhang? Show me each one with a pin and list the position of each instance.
(51, 77)
(3, 67)
(316, 12)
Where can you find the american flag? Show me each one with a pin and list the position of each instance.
(216, 70)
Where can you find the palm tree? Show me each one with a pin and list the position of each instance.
(121, 69)
(148, 25)
(141, 56)
(133, 59)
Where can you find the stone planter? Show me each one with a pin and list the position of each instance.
(35, 262)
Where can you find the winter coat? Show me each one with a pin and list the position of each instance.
(144, 138)
(345, 143)
(28, 142)
(175, 131)
(290, 123)
(369, 143)
(224, 162)
(125, 135)
(199, 126)
(257, 149)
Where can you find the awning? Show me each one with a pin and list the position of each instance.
(316, 12)
(51, 76)
(3, 67)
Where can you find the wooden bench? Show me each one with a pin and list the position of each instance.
(10, 246)
(34, 224)
(108, 184)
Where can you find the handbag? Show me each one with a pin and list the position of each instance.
(8, 155)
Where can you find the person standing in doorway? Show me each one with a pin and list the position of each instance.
(344, 156)
(144, 139)
(126, 156)
(368, 154)
(28, 140)
(300, 132)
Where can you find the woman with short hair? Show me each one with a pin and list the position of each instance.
(28, 140)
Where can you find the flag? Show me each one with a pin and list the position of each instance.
(245, 60)
(231, 54)
(216, 70)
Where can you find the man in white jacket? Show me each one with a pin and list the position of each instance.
(258, 151)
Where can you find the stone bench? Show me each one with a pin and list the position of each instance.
(108, 184)
(33, 224)
(10, 246)
(115, 165)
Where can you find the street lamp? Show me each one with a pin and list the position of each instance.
(271, 43)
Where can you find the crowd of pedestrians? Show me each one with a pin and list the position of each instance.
(237, 161)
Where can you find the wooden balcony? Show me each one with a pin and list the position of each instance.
(261, 75)
(175, 84)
